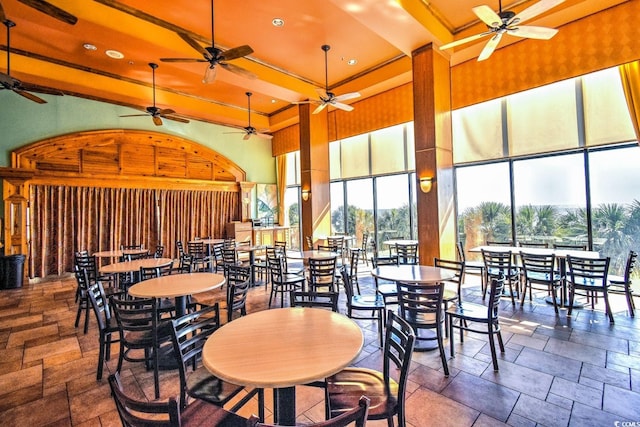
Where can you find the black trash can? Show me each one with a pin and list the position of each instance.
(11, 271)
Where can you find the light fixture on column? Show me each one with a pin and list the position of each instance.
(426, 182)
(306, 194)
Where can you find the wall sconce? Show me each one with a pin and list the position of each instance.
(426, 182)
(306, 194)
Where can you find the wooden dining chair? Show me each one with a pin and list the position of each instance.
(588, 277)
(421, 306)
(622, 284)
(140, 329)
(327, 299)
(453, 287)
(479, 318)
(387, 395)
(500, 264)
(539, 273)
(135, 412)
(372, 304)
(189, 334)
(281, 281)
(108, 331)
(472, 267)
(322, 274)
(407, 253)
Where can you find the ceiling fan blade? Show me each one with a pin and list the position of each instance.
(166, 111)
(134, 115)
(157, 120)
(238, 70)
(236, 52)
(210, 74)
(264, 135)
(3, 17)
(182, 60)
(342, 106)
(532, 32)
(346, 96)
(320, 108)
(194, 44)
(174, 118)
(246, 136)
(51, 10)
(30, 96)
(40, 89)
(465, 40)
(487, 15)
(535, 10)
(490, 47)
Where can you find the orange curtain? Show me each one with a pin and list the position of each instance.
(187, 214)
(65, 219)
(281, 179)
(630, 76)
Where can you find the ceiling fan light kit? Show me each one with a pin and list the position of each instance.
(249, 130)
(327, 97)
(507, 22)
(157, 114)
(215, 57)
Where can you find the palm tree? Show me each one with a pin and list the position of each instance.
(609, 221)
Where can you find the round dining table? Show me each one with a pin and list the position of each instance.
(413, 273)
(177, 286)
(253, 351)
(132, 266)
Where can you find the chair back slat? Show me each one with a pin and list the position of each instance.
(312, 299)
(322, 273)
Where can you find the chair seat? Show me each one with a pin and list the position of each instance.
(471, 311)
(449, 295)
(514, 272)
(201, 413)
(345, 388)
(367, 301)
(292, 278)
(591, 284)
(543, 277)
(388, 289)
(202, 385)
(616, 280)
(145, 338)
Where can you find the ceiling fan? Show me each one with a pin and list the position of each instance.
(51, 10)
(506, 21)
(215, 56)
(157, 114)
(327, 97)
(9, 83)
(250, 130)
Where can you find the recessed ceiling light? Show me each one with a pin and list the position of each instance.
(114, 54)
(352, 62)
(277, 22)
(89, 46)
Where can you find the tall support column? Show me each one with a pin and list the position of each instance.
(314, 173)
(433, 153)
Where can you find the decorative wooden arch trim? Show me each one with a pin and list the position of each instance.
(128, 156)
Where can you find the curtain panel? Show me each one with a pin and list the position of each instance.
(65, 219)
(630, 76)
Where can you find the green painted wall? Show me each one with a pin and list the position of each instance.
(23, 122)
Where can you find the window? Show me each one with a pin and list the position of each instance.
(484, 204)
(550, 200)
(392, 207)
(615, 202)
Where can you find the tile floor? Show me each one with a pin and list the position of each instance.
(556, 371)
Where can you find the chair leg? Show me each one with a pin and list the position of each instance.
(492, 346)
(451, 350)
(380, 327)
(607, 306)
(630, 303)
(553, 291)
(441, 348)
(101, 352)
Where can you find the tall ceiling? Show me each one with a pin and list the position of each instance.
(288, 60)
